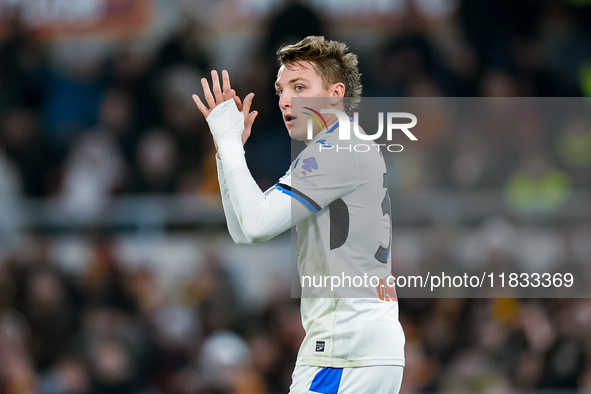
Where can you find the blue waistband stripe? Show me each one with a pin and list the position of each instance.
(327, 381)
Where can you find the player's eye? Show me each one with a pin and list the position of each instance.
(299, 88)
(278, 92)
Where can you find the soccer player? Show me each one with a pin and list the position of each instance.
(338, 201)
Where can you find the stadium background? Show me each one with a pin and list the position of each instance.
(116, 272)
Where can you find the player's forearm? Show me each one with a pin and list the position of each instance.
(232, 221)
(261, 216)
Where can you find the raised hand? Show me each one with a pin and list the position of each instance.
(224, 93)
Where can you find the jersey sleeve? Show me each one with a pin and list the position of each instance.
(318, 178)
(251, 215)
(232, 221)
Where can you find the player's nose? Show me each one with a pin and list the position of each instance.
(284, 100)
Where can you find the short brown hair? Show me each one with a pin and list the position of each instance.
(332, 62)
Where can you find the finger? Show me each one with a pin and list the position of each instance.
(247, 104)
(251, 117)
(237, 100)
(217, 90)
(226, 84)
(207, 93)
(249, 120)
(248, 126)
(204, 110)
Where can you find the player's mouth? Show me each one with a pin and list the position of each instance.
(289, 119)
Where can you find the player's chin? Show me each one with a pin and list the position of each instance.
(296, 133)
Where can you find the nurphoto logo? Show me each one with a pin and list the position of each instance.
(344, 129)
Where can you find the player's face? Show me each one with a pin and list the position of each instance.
(300, 80)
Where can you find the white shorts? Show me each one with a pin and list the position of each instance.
(382, 379)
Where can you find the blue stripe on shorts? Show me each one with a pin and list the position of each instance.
(327, 381)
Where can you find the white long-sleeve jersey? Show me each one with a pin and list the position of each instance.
(339, 204)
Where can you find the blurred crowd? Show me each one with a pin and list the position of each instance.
(111, 328)
(82, 132)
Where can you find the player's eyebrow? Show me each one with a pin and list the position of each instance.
(294, 80)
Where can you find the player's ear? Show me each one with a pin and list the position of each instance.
(338, 90)
(337, 93)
